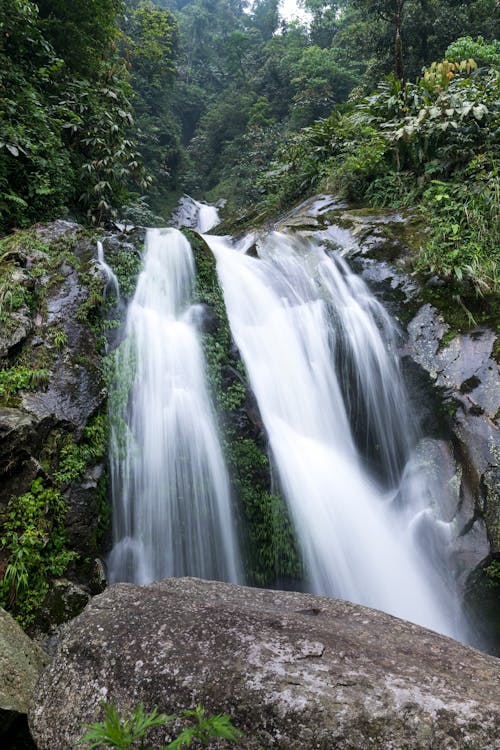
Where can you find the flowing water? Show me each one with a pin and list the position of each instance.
(320, 354)
(171, 498)
(195, 215)
(111, 280)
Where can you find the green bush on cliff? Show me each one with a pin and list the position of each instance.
(430, 144)
(35, 540)
(33, 532)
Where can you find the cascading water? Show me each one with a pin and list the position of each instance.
(195, 215)
(315, 344)
(112, 281)
(171, 497)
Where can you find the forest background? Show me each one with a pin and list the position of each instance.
(113, 109)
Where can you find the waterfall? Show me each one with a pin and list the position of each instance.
(111, 280)
(171, 497)
(320, 354)
(195, 215)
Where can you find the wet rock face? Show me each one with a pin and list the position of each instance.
(67, 387)
(294, 671)
(51, 381)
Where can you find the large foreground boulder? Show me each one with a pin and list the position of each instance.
(294, 671)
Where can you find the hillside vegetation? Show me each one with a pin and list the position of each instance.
(111, 108)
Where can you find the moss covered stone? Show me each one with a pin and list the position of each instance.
(268, 539)
(54, 509)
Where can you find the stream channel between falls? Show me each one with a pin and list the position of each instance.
(316, 355)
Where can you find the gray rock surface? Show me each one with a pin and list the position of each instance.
(53, 267)
(294, 671)
(21, 663)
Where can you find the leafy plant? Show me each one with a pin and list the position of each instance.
(127, 732)
(60, 339)
(21, 378)
(34, 538)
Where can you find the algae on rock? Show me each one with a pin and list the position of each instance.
(268, 539)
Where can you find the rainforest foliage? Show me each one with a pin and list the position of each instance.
(113, 107)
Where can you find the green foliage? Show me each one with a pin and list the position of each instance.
(430, 143)
(482, 52)
(127, 264)
(66, 126)
(272, 544)
(119, 370)
(17, 379)
(493, 572)
(74, 458)
(33, 532)
(205, 729)
(34, 538)
(464, 217)
(122, 732)
(150, 44)
(127, 732)
(60, 339)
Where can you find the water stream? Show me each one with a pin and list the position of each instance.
(171, 498)
(320, 354)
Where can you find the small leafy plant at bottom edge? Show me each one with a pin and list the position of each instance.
(129, 732)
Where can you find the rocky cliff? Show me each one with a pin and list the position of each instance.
(53, 434)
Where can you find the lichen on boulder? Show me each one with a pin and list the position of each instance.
(292, 670)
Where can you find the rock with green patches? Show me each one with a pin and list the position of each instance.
(293, 671)
(268, 540)
(52, 390)
(21, 663)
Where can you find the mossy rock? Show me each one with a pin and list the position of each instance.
(267, 536)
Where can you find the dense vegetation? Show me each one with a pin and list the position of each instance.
(114, 106)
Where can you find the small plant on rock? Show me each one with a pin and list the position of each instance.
(129, 732)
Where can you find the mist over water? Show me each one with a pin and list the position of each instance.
(320, 354)
(172, 507)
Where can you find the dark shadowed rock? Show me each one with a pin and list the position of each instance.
(294, 671)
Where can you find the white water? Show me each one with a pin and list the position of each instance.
(317, 348)
(112, 281)
(196, 215)
(171, 498)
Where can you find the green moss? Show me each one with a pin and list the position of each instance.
(119, 371)
(126, 264)
(104, 511)
(270, 544)
(25, 241)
